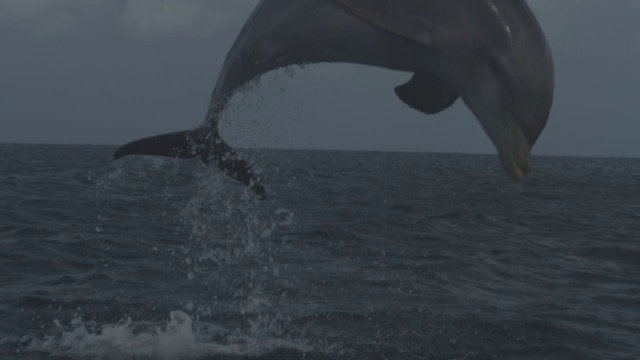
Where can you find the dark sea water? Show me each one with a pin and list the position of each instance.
(353, 256)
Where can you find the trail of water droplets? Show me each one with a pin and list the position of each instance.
(227, 262)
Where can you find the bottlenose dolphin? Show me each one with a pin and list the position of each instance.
(491, 53)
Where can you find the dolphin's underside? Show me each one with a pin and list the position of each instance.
(441, 43)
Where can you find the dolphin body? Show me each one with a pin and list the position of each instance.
(491, 53)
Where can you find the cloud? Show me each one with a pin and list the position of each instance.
(50, 17)
(145, 19)
(22, 9)
(178, 18)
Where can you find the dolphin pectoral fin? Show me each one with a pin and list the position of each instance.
(426, 93)
(178, 145)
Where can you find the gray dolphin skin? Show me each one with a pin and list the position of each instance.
(490, 53)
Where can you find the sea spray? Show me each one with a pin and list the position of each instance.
(222, 237)
(230, 251)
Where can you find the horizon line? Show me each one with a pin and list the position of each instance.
(349, 150)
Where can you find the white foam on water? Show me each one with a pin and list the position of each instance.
(224, 252)
(180, 338)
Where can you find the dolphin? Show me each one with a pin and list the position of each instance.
(490, 53)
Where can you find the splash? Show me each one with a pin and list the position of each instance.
(229, 253)
(223, 243)
(180, 338)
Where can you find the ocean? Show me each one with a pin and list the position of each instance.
(354, 255)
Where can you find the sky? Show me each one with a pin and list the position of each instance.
(112, 71)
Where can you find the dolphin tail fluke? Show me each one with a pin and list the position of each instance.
(197, 143)
(234, 166)
(179, 145)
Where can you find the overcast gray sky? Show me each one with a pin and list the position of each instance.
(111, 71)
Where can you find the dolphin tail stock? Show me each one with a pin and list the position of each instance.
(200, 142)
